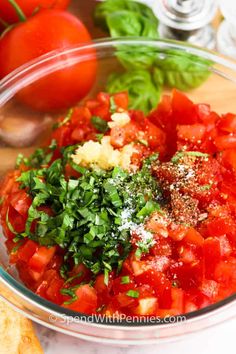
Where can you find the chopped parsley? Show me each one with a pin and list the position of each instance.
(65, 120)
(206, 187)
(87, 218)
(113, 106)
(133, 293)
(100, 124)
(125, 279)
(179, 155)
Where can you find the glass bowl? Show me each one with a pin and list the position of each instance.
(218, 90)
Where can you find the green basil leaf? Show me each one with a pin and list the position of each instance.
(181, 70)
(128, 18)
(143, 93)
(105, 8)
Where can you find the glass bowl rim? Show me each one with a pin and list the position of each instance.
(28, 72)
(12, 83)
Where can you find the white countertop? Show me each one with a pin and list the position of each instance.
(217, 340)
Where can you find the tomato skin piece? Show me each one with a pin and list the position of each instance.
(86, 300)
(41, 258)
(46, 31)
(8, 13)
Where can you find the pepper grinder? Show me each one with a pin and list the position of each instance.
(226, 35)
(187, 20)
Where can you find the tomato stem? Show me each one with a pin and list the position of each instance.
(18, 10)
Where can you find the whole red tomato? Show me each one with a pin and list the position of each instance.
(28, 7)
(42, 33)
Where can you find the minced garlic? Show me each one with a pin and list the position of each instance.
(119, 120)
(103, 155)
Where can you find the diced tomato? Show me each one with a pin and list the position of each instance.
(102, 289)
(225, 246)
(121, 136)
(210, 288)
(161, 285)
(43, 284)
(192, 133)
(53, 291)
(229, 158)
(80, 115)
(183, 109)
(63, 136)
(41, 258)
(212, 255)
(78, 134)
(122, 100)
(225, 272)
(118, 137)
(224, 142)
(80, 273)
(193, 237)
(146, 307)
(120, 286)
(188, 275)
(187, 254)
(228, 123)
(218, 227)
(158, 223)
(155, 136)
(122, 300)
(16, 220)
(162, 247)
(70, 172)
(203, 112)
(178, 232)
(177, 300)
(86, 301)
(27, 250)
(21, 202)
